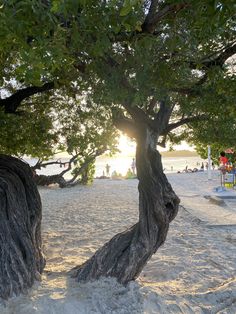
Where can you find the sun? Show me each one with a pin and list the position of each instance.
(126, 146)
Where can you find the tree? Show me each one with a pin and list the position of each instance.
(177, 83)
(220, 136)
(21, 259)
(161, 67)
(85, 131)
(84, 137)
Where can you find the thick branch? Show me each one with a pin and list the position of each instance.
(58, 178)
(217, 59)
(153, 18)
(190, 91)
(183, 121)
(163, 116)
(12, 102)
(152, 11)
(70, 163)
(126, 125)
(40, 165)
(151, 106)
(163, 142)
(193, 90)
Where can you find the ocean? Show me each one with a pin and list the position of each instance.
(121, 164)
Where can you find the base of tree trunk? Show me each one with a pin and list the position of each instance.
(125, 255)
(21, 259)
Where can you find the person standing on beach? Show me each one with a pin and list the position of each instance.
(133, 166)
(223, 159)
(107, 170)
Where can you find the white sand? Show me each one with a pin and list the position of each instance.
(194, 272)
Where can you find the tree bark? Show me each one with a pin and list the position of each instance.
(21, 259)
(44, 180)
(125, 255)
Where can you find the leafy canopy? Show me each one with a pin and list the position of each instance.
(128, 56)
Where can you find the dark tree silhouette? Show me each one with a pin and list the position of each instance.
(21, 259)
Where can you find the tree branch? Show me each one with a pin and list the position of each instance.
(154, 17)
(89, 159)
(183, 121)
(12, 102)
(70, 163)
(217, 59)
(40, 164)
(151, 106)
(163, 142)
(125, 125)
(163, 116)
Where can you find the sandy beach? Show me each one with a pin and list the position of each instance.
(194, 272)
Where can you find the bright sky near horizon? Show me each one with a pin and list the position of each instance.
(127, 147)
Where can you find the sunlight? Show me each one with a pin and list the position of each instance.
(126, 146)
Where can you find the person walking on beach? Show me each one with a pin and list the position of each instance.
(133, 166)
(107, 170)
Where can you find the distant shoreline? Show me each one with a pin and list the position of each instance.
(174, 153)
(180, 153)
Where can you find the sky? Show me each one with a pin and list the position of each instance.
(127, 147)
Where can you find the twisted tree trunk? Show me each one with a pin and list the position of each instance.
(21, 259)
(44, 180)
(125, 255)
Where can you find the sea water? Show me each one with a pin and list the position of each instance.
(121, 164)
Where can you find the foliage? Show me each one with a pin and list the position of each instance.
(32, 134)
(88, 175)
(117, 59)
(116, 176)
(130, 174)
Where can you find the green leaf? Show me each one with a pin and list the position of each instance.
(126, 10)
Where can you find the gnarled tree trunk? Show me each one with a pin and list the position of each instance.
(125, 255)
(44, 180)
(21, 259)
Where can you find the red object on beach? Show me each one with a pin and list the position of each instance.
(223, 160)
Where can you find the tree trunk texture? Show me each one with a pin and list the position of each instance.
(21, 259)
(44, 180)
(125, 255)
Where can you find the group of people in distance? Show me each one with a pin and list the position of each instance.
(131, 173)
(223, 163)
